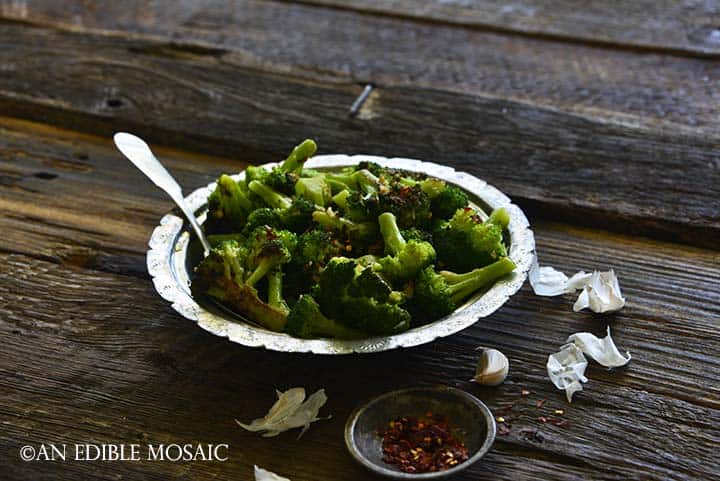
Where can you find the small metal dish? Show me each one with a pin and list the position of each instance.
(472, 418)
(173, 254)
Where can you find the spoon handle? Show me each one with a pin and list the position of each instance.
(138, 152)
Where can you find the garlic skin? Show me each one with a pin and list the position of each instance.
(291, 410)
(265, 475)
(492, 368)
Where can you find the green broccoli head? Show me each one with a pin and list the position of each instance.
(228, 207)
(465, 242)
(447, 202)
(436, 294)
(225, 274)
(306, 321)
(405, 258)
(346, 292)
(267, 249)
(298, 217)
(358, 236)
(264, 216)
(410, 204)
(315, 248)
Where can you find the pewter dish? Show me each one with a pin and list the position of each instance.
(472, 420)
(174, 251)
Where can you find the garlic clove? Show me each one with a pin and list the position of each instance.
(492, 368)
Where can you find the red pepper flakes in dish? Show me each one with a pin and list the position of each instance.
(422, 445)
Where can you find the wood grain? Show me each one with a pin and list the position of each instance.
(347, 46)
(568, 166)
(139, 373)
(682, 27)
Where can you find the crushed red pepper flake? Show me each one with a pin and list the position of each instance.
(421, 445)
(540, 403)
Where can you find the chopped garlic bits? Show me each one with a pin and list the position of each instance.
(289, 412)
(566, 369)
(603, 351)
(600, 290)
(265, 475)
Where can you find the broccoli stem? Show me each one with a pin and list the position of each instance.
(231, 190)
(261, 270)
(298, 156)
(329, 221)
(461, 286)
(336, 186)
(359, 180)
(233, 269)
(270, 196)
(394, 241)
(500, 217)
(341, 198)
(275, 296)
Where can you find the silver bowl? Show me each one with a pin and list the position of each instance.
(170, 261)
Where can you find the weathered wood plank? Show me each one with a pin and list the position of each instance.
(344, 46)
(100, 217)
(141, 374)
(569, 166)
(685, 28)
(682, 27)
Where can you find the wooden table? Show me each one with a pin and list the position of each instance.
(600, 121)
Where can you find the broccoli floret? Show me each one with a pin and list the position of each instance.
(264, 216)
(284, 177)
(306, 320)
(465, 242)
(359, 236)
(226, 276)
(268, 248)
(375, 317)
(405, 258)
(437, 294)
(228, 207)
(362, 180)
(345, 295)
(410, 205)
(315, 248)
(299, 216)
(376, 169)
(416, 234)
(447, 202)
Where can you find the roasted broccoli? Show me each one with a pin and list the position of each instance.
(358, 236)
(226, 275)
(436, 294)
(350, 253)
(465, 242)
(345, 294)
(285, 176)
(405, 258)
(228, 207)
(306, 320)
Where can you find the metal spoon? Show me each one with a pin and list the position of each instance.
(138, 152)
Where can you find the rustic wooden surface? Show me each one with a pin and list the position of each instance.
(599, 121)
